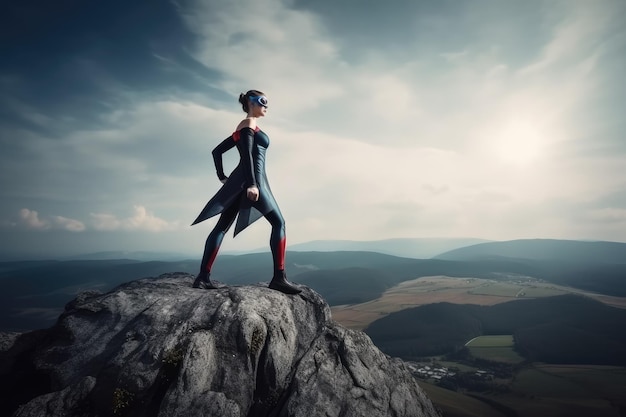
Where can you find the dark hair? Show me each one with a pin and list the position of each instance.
(244, 99)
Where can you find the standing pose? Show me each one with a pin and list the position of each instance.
(245, 195)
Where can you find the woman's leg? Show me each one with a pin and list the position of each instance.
(278, 241)
(212, 246)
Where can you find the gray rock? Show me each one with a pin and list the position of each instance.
(157, 347)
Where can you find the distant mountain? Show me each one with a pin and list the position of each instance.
(421, 248)
(134, 255)
(542, 249)
(32, 293)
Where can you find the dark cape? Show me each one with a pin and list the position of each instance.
(250, 171)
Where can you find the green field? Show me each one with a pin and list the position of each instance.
(491, 341)
(454, 404)
(542, 390)
(573, 390)
(608, 382)
(580, 381)
(538, 383)
(494, 348)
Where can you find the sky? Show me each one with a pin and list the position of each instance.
(489, 119)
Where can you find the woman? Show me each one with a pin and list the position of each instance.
(245, 193)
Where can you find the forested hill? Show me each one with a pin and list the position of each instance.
(542, 250)
(32, 293)
(561, 329)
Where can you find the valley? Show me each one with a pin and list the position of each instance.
(489, 377)
(436, 289)
(523, 328)
(537, 390)
(493, 380)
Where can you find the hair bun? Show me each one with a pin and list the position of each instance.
(244, 98)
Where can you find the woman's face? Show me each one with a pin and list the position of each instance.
(257, 109)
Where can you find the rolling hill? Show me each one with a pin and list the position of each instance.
(560, 329)
(542, 250)
(33, 293)
(421, 248)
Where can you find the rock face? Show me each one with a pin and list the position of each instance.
(157, 347)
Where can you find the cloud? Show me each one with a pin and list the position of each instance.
(473, 119)
(140, 220)
(509, 125)
(576, 33)
(279, 56)
(30, 220)
(68, 224)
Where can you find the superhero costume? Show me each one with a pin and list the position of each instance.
(232, 202)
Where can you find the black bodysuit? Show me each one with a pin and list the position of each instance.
(231, 200)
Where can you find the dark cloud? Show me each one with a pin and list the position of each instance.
(406, 29)
(79, 60)
(71, 66)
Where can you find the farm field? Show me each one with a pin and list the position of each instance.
(572, 390)
(533, 389)
(539, 390)
(610, 380)
(455, 404)
(536, 390)
(494, 348)
(435, 289)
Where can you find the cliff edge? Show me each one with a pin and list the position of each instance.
(157, 347)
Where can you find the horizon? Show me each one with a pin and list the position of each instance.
(510, 126)
(164, 255)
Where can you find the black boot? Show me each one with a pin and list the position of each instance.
(280, 283)
(203, 281)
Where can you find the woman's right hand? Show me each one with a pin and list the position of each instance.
(252, 193)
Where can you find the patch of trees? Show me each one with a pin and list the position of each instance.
(561, 329)
(347, 286)
(428, 330)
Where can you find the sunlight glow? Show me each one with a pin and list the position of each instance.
(520, 142)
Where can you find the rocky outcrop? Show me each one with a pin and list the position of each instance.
(157, 347)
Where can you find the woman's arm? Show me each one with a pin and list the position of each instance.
(244, 138)
(245, 144)
(226, 144)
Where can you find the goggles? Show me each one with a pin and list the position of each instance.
(260, 100)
